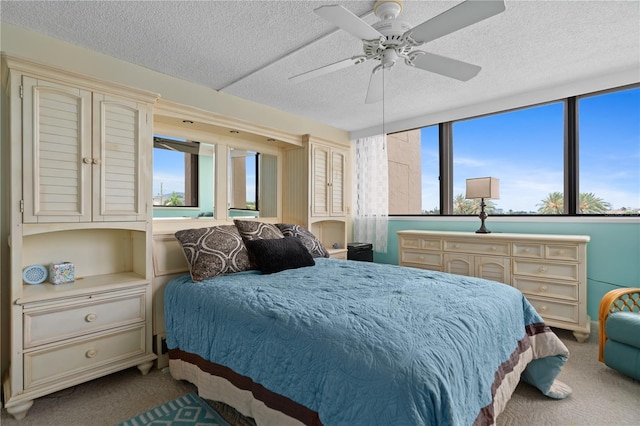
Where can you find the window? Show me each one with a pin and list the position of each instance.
(253, 182)
(609, 137)
(243, 180)
(175, 171)
(183, 177)
(588, 147)
(522, 148)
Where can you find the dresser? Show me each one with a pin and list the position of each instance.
(550, 270)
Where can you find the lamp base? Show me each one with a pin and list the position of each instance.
(483, 217)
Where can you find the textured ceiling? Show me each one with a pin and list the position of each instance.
(250, 48)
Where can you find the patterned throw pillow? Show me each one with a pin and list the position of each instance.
(309, 240)
(213, 251)
(254, 230)
(278, 254)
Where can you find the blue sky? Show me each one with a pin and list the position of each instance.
(524, 149)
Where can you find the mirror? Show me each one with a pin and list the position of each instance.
(252, 184)
(183, 177)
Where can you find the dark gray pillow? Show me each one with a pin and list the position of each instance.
(213, 251)
(309, 240)
(275, 255)
(254, 230)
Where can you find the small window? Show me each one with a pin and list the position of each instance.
(243, 182)
(175, 172)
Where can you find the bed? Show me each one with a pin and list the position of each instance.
(348, 343)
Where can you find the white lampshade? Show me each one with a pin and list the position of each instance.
(485, 187)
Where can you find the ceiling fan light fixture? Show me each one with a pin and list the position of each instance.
(389, 9)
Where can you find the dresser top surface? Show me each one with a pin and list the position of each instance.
(498, 236)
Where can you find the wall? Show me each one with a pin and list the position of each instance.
(613, 254)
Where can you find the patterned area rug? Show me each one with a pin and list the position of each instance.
(188, 410)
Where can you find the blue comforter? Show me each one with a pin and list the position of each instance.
(364, 343)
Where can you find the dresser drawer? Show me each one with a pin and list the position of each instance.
(53, 364)
(492, 248)
(554, 289)
(72, 318)
(420, 243)
(555, 310)
(562, 252)
(421, 258)
(528, 250)
(561, 271)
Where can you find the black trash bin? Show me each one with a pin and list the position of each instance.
(360, 251)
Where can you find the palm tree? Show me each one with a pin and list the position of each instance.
(174, 200)
(462, 205)
(589, 203)
(553, 204)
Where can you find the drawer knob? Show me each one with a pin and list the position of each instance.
(543, 288)
(421, 257)
(542, 269)
(90, 317)
(456, 246)
(86, 160)
(91, 353)
(560, 251)
(526, 250)
(493, 248)
(542, 308)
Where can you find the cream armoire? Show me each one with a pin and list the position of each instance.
(80, 159)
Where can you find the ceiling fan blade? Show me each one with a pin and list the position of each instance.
(448, 67)
(345, 63)
(375, 90)
(456, 18)
(345, 19)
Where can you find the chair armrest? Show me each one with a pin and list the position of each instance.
(623, 299)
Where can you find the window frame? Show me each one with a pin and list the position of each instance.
(571, 160)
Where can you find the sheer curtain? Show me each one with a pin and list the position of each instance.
(371, 192)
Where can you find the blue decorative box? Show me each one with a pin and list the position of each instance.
(61, 272)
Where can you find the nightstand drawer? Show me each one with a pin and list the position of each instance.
(561, 271)
(47, 324)
(554, 310)
(492, 248)
(421, 258)
(53, 364)
(555, 289)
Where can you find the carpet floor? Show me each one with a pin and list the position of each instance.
(601, 396)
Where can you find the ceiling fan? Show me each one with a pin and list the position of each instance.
(392, 39)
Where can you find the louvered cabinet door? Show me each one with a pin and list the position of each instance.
(56, 152)
(320, 181)
(337, 183)
(119, 158)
